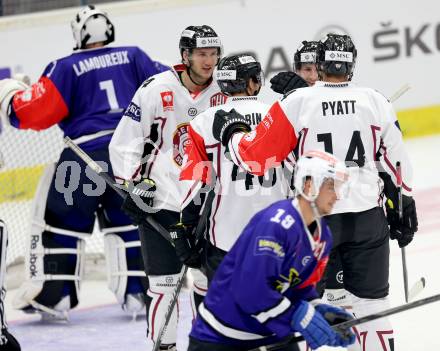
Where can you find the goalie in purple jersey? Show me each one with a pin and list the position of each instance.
(86, 94)
(264, 289)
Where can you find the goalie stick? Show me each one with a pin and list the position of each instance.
(351, 323)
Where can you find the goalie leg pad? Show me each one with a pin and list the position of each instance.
(54, 264)
(125, 275)
(160, 294)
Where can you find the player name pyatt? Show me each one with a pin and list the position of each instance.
(101, 61)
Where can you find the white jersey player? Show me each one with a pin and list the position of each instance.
(356, 125)
(238, 195)
(147, 150)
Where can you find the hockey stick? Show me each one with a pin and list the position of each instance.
(400, 92)
(351, 323)
(400, 210)
(200, 230)
(110, 182)
(419, 285)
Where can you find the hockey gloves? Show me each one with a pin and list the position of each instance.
(227, 124)
(403, 231)
(188, 251)
(314, 328)
(335, 315)
(8, 88)
(8, 342)
(284, 82)
(139, 200)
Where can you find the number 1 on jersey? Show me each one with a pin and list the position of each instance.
(109, 88)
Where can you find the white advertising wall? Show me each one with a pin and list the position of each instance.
(398, 42)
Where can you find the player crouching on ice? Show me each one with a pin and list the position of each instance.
(264, 289)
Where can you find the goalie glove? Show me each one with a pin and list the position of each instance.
(284, 82)
(140, 199)
(227, 124)
(402, 231)
(8, 88)
(188, 251)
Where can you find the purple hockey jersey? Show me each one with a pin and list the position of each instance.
(85, 92)
(276, 262)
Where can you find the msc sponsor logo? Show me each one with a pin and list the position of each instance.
(266, 245)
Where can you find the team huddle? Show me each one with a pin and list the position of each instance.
(265, 203)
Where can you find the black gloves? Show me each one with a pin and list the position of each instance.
(403, 231)
(139, 199)
(284, 82)
(228, 123)
(188, 251)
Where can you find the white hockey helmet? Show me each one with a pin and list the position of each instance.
(318, 166)
(91, 25)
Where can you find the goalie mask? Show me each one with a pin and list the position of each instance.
(233, 73)
(91, 25)
(319, 166)
(336, 55)
(195, 37)
(306, 53)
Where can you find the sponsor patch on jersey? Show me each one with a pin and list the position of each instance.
(217, 99)
(134, 112)
(268, 246)
(180, 143)
(167, 100)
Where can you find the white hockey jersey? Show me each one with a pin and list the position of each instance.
(351, 122)
(238, 194)
(151, 136)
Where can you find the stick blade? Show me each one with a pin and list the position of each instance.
(416, 288)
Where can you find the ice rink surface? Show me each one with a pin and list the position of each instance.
(100, 324)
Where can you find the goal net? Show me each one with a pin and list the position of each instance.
(23, 158)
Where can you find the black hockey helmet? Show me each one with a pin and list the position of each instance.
(199, 37)
(234, 72)
(306, 53)
(337, 55)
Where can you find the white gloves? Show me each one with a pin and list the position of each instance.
(8, 88)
